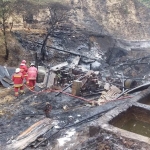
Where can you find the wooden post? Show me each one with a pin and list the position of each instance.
(76, 87)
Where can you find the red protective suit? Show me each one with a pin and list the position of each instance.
(23, 70)
(18, 82)
(32, 74)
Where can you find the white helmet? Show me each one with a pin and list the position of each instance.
(17, 70)
(23, 61)
(32, 64)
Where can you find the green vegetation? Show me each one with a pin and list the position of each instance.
(145, 2)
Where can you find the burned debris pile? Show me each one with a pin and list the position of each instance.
(106, 85)
(80, 81)
(85, 86)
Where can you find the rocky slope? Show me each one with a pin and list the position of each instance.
(125, 19)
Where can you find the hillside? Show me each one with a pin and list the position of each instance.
(126, 19)
(117, 19)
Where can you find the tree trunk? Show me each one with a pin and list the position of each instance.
(5, 39)
(6, 48)
(11, 26)
(43, 47)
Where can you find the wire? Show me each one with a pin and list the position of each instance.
(81, 98)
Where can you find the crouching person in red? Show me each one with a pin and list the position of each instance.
(18, 82)
(32, 74)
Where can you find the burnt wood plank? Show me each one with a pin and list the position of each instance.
(31, 134)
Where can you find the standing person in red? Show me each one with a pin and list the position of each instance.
(32, 74)
(23, 70)
(18, 82)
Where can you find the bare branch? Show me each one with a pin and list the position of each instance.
(57, 14)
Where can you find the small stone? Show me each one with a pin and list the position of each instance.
(27, 118)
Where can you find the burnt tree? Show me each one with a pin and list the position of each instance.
(4, 14)
(58, 13)
(27, 9)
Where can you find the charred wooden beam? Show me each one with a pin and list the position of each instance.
(74, 62)
(92, 94)
(31, 134)
(138, 88)
(73, 53)
(141, 63)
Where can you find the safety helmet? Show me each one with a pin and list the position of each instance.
(23, 61)
(32, 64)
(17, 70)
(47, 103)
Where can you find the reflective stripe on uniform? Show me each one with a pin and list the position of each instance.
(18, 85)
(17, 76)
(32, 78)
(32, 71)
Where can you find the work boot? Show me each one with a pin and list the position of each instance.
(27, 83)
(16, 96)
(22, 92)
(31, 88)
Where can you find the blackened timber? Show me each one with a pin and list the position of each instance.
(96, 112)
(134, 63)
(91, 94)
(48, 77)
(122, 81)
(69, 85)
(138, 88)
(31, 134)
(74, 53)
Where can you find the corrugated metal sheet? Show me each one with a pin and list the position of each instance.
(6, 73)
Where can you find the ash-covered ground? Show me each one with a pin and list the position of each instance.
(72, 125)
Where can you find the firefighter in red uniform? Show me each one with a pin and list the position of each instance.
(23, 70)
(32, 74)
(18, 82)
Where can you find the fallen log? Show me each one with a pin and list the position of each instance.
(31, 134)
